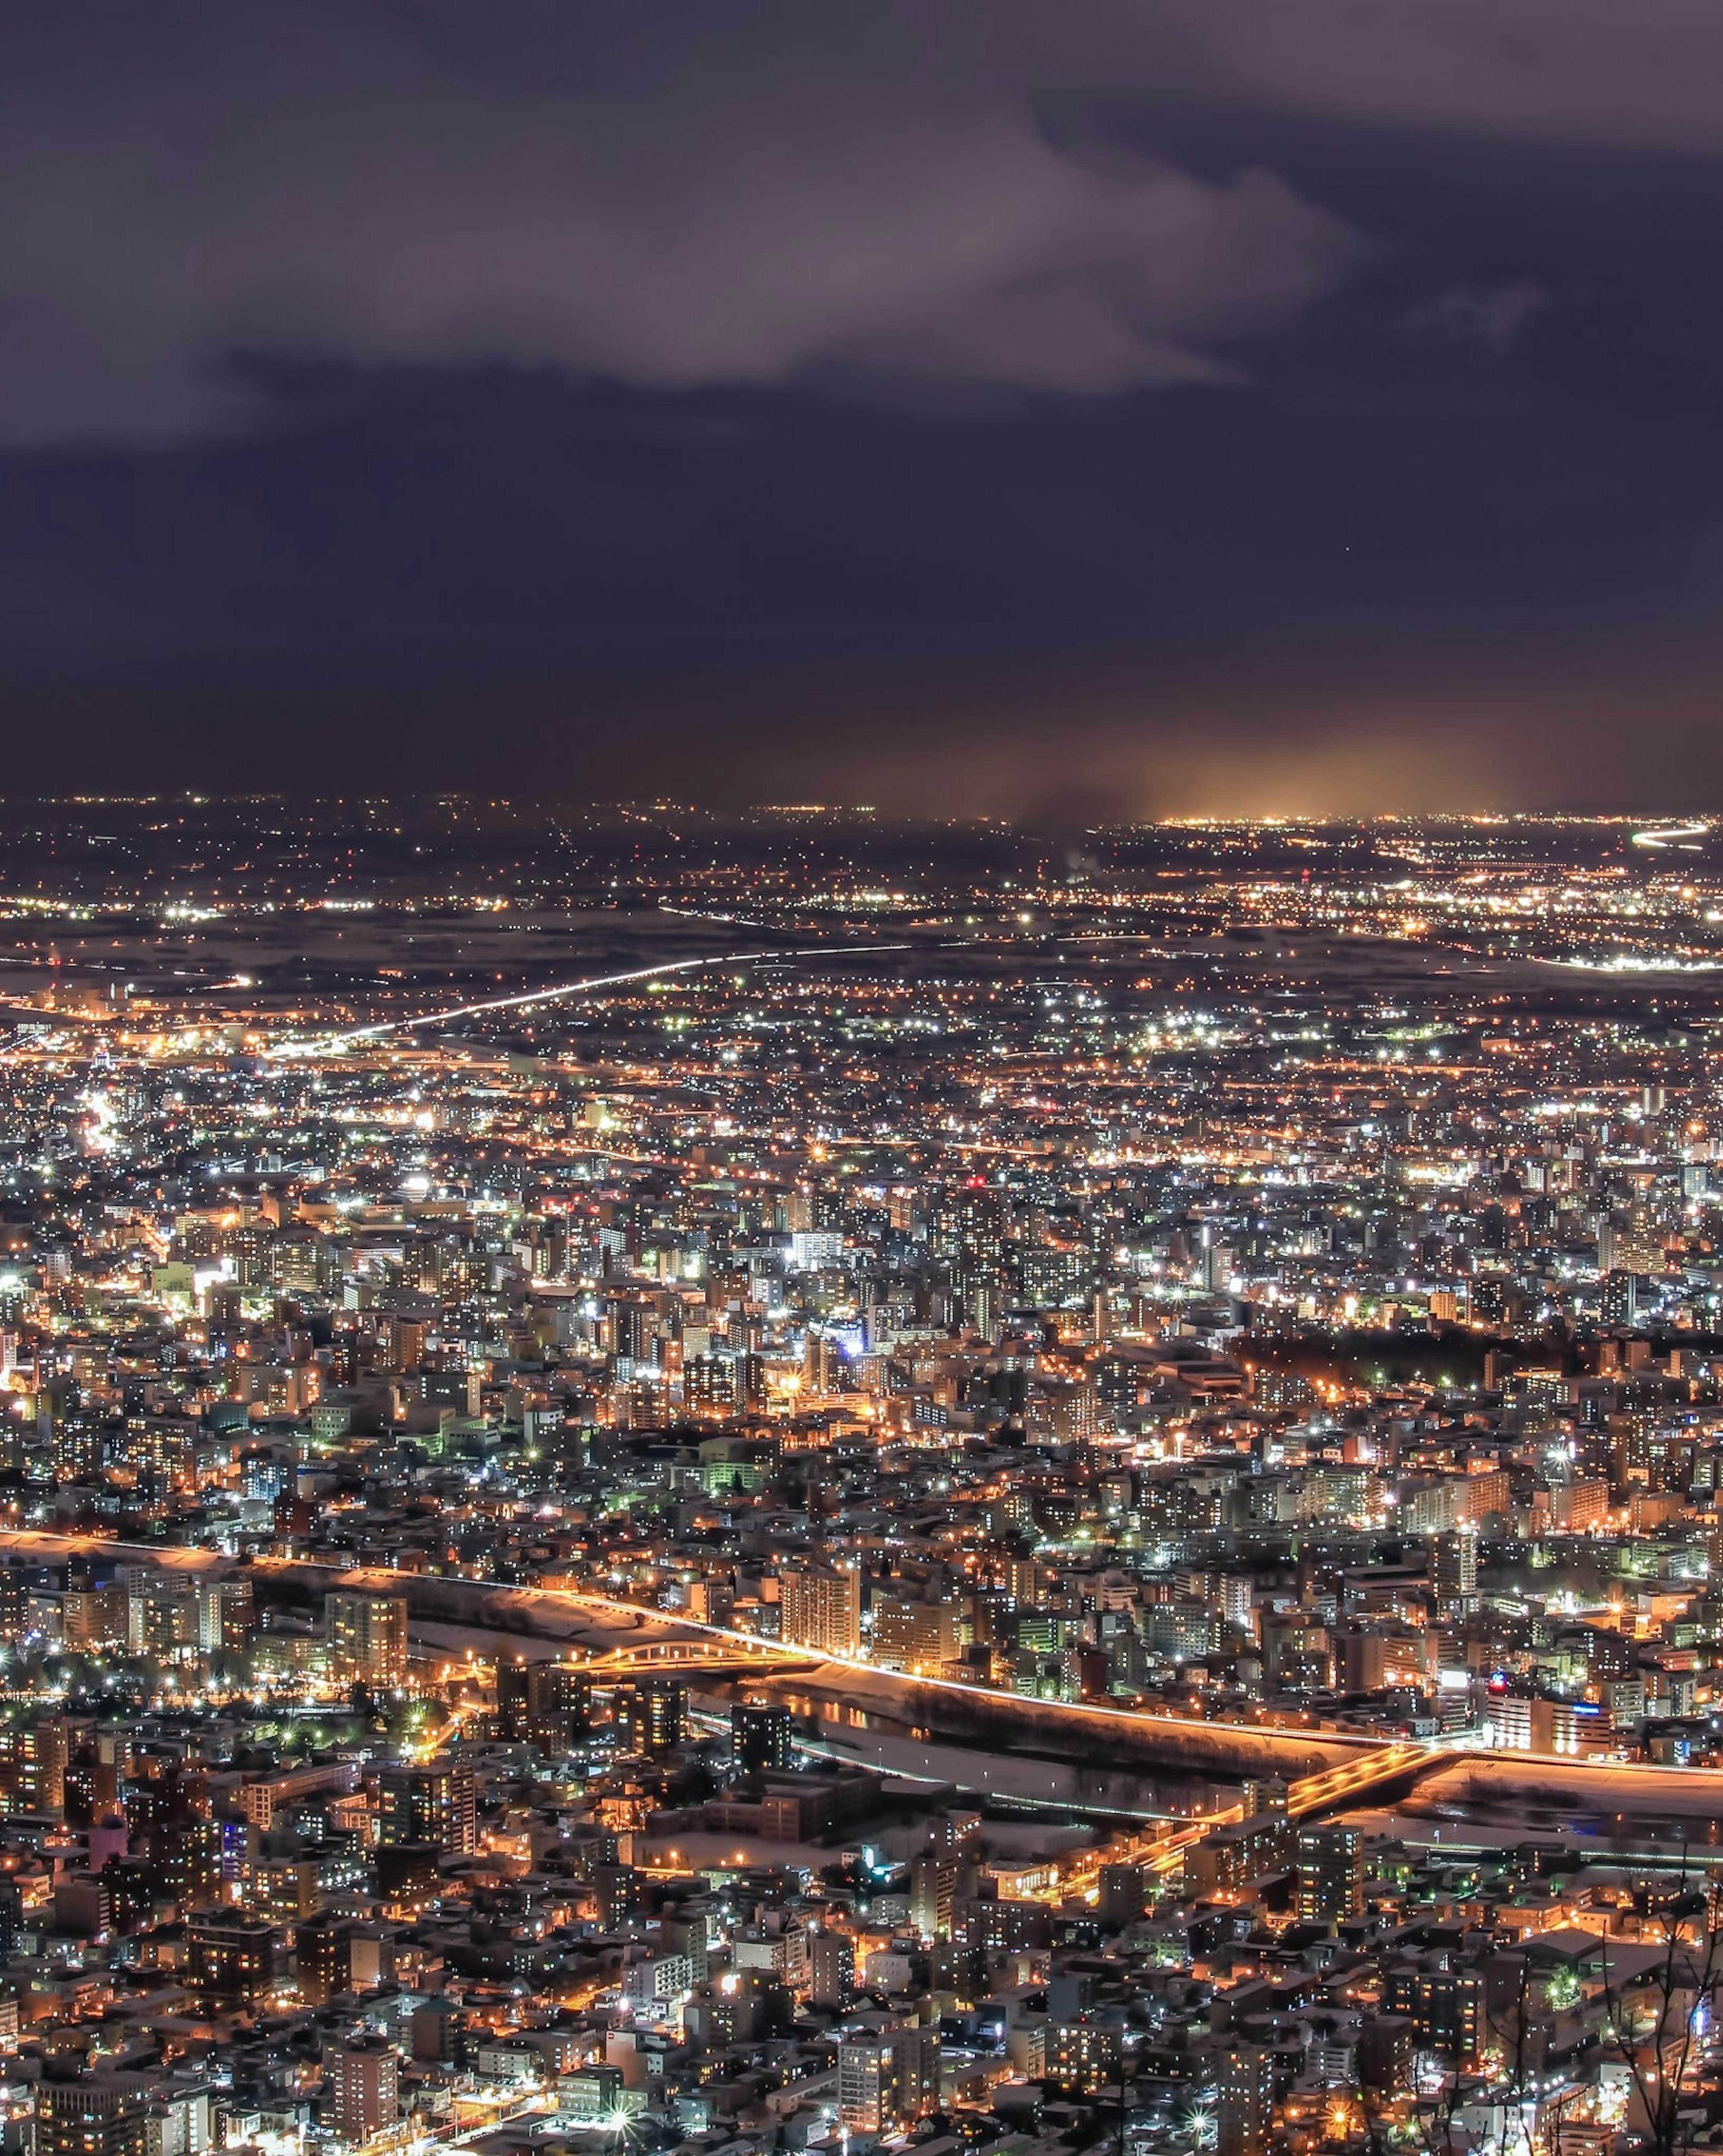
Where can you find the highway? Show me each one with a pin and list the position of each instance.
(333, 1043)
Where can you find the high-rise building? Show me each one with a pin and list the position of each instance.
(431, 1801)
(616, 1892)
(231, 1961)
(360, 2087)
(761, 1736)
(1246, 2093)
(1454, 1572)
(323, 1953)
(910, 1633)
(436, 2030)
(12, 1917)
(226, 1616)
(548, 1704)
(656, 1712)
(822, 1608)
(161, 1612)
(186, 1859)
(885, 2082)
(92, 1618)
(367, 1635)
(1331, 1873)
(562, 1702)
(32, 1763)
(688, 1937)
(407, 1876)
(1122, 1894)
(514, 1702)
(933, 1887)
(831, 1969)
(1444, 2006)
(1083, 2057)
(92, 2114)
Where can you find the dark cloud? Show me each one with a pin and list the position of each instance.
(325, 183)
(1568, 71)
(1464, 314)
(868, 189)
(990, 403)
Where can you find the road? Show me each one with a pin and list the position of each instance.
(1332, 1768)
(327, 1044)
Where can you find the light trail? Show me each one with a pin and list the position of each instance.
(1626, 962)
(328, 1043)
(1662, 835)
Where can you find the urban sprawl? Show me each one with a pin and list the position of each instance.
(772, 1482)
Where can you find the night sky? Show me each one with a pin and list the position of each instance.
(1066, 409)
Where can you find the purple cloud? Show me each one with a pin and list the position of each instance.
(323, 184)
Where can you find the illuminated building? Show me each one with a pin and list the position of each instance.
(933, 1887)
(262, 1797)
(407, 1880)
(1083, 2057)
(162, 1612)
(831, 1969)
(1245, 2091)
(92, 2114)
(1228, 1860)
(323, 1954)
(885, 2082)
(1454, 1572)
(231, 1961)
(1331, 1873)
(1444, 2005)
(33, 1751)
(94, 1618)
(431, 1803)
(162, 1450)
(226, 1616)
(655, 1711)
(1122, 1894)
(360, 2091)
(559, 1704)
(911, 1633)
(367, 1635)
(761, 1736)
(822, 1608)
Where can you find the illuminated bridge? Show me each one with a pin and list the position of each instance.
(704, 1658)
(1163, 1848)
(947, 1727)
(959, 1730)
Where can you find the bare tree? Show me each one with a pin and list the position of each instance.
(1558, 2111)
(1436, 2119)
(1520, 2032)
(1657, 2027)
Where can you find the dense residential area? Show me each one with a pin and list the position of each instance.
(1010, 1496)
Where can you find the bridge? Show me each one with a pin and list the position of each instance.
(1326, 1769)
(1163, 1849)
(701, 1658)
